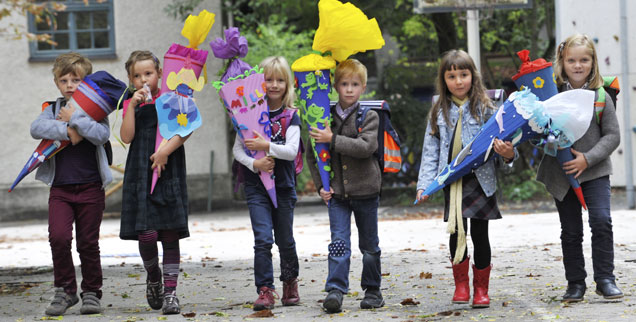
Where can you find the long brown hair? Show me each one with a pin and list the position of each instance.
(458, 59)
(594, 79)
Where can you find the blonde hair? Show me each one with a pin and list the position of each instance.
(458, 59)
(141, 55)
(278, 66)
(71, 63)
(351, 67)
(594, 79)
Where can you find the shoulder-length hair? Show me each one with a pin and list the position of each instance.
(455, 60)
(594, 79)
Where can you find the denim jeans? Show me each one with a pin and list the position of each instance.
(365, 212)
(265, 219)
(597, 197)
(82, 204)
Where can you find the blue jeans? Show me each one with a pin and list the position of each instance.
(365, 212)
(265, 219)
(597, 197)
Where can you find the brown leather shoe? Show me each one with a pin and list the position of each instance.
(290, 292)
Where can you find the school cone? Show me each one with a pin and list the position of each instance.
(538, 76)
(522, 117)
(96, 97)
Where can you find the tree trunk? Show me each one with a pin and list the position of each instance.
(446, 31)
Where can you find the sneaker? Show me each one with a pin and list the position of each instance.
(333, 302)
(171, 303)
(154, 294)
(61, 302)
(265, 299)
(90, 303)
(290, 292)
(372, 299)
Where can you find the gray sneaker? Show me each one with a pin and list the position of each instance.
(61, 302)
(171, 304)
(90, 303)
(372, 299)
(333, 302)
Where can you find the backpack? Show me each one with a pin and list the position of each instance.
(107, 146)
(285, 118)
(390, 159)
(611, 87)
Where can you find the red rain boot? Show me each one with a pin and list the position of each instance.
(462, 288)
(481, 277)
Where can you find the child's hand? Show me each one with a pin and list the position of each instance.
(326, 196)
(258, 143)
(73, 135)
(139, 96)
(66, 112)
(419, 198)
(505, 149)
(159, 160)
(264, 164)
(577, 165)
(322, 136)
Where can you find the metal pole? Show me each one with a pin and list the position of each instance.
(211, 181)
(472, 30)
(627, 128)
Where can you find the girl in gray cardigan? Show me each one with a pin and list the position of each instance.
(575, 67)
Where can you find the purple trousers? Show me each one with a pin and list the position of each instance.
(84, 205)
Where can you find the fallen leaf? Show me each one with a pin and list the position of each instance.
(409, 301)
(262, 314)
(189, 315)
(426, 275)
(386, 274)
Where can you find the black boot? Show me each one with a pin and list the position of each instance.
(575, 292)
(607, 287)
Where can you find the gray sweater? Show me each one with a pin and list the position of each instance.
(597, 144)
(356, 170)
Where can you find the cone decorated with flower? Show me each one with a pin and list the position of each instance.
(343, 31)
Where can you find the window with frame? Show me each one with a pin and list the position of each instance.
(87, 29)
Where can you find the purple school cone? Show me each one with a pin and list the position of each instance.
(539, 77)
(314, 88)
(242, 91)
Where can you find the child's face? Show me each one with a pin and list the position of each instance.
(349, 89)
(144, 72)
(577, 64)
(276, 88)
(67, 84)
(458, 82)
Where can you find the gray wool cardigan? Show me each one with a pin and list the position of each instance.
(597, 144)
(356, 171)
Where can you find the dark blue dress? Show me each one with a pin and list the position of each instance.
(167, 207)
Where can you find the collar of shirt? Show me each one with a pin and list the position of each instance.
(344, 113)
(568, 86)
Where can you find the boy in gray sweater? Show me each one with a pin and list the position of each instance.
(355, 187)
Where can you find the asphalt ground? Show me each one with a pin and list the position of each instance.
(216, 281)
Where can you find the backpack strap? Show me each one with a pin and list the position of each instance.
(599, 105)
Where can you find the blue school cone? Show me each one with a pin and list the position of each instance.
(539, 77)
(314, 88)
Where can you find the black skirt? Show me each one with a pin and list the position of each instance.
(167, 207)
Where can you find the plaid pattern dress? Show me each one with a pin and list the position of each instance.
(475, 203)
(167, 207)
